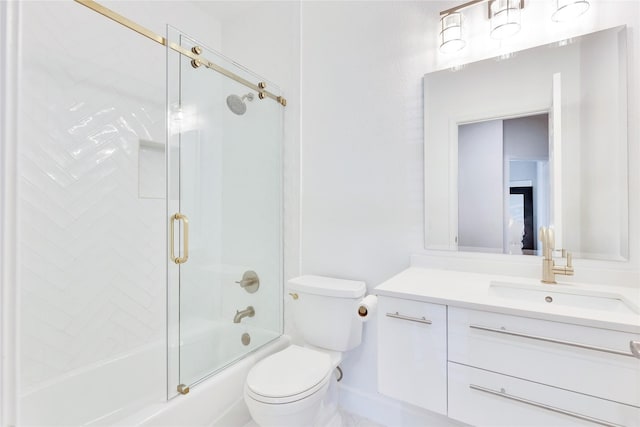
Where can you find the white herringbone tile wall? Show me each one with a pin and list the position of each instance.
(92, 252)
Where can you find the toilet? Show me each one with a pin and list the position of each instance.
(298, 385)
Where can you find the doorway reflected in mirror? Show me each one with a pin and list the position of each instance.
(503, 184)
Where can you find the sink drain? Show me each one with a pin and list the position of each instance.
(548, 299)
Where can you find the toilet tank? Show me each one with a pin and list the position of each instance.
(325, 311)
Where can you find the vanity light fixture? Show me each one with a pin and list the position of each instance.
(567, 10)
(504, 16)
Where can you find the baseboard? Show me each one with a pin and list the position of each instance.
(390, 412)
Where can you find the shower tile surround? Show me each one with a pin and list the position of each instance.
(93, 275)
(89, 292)
(91, 236)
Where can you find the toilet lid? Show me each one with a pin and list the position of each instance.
(289, 372)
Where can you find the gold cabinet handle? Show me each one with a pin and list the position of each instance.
(185, 238)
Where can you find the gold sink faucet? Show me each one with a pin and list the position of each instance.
(549, 269)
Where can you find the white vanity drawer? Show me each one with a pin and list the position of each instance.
(480, 398)
(572, 357)
(412, 352)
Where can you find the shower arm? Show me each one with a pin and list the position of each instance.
(197, 60)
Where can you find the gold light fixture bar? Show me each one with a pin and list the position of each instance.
(260, 88)
(473, 3)
(462, 6)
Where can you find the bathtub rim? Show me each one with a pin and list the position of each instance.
(153, 414)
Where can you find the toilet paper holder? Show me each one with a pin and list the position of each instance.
(367, 307)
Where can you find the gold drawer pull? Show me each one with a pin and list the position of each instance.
(397, 315)
(185, 238)
(504, 394)
(555, 341)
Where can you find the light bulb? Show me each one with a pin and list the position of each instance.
(451, 33)
(505, 18)
(567, 10)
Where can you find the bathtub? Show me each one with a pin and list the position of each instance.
(215, 402)
(205, 346)
(97, 393)
(130, 390)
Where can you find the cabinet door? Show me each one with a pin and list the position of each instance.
(412, 352)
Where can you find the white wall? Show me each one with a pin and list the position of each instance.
(527, 138)
(361, 135)
(480, 189)
(266, 38)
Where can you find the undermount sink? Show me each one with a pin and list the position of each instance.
(563, 295)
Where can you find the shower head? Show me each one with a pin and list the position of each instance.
(236, 103)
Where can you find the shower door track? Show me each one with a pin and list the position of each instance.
(197, 60)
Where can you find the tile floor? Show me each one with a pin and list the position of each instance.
(351, 420)
(348, 420)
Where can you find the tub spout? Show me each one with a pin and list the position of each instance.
(247, 312)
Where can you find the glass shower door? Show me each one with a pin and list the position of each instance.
(225, 217)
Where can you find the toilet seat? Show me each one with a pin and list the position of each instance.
(289, 375)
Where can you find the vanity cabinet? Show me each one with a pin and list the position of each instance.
(507, 370)
(488, 368)
(593, 361)
(412, 352)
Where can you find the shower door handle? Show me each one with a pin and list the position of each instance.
(185, 238)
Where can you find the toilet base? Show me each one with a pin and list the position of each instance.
(326, 412)
(329, 416)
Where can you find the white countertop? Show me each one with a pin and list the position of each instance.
(474, 290)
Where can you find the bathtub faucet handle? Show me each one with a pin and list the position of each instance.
(250, 281)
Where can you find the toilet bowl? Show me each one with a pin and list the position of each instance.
(290, 388)
(287, 388)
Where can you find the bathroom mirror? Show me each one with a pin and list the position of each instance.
(538, 137)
